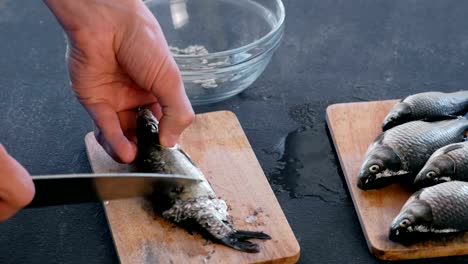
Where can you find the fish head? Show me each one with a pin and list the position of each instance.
(437, 170)
(147, 127)
(414, 217)
(381, 167)
(400, 113)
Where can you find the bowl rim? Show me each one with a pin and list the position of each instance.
(241, 49)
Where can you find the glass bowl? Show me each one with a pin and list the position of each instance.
(220, 46)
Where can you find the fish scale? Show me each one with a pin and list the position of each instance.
(447, 163)
(437, 103)
(400, 153)
(415, 141)
(449, 204)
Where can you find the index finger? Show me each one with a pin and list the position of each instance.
(154, 69)
(177, 112)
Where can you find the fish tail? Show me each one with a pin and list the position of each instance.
(249, 234)
(239, 240)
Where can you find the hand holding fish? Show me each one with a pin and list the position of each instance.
(16, 186)
(119, 60)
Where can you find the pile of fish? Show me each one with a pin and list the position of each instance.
(423, 143)
(195, 206)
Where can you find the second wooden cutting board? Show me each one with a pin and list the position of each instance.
(353, 127)
(217, 143)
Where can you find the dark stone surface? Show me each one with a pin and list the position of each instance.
(333, 51)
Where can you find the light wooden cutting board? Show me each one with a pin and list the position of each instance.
(353, 127)
(217, 143)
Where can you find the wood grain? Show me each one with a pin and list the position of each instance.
(219, 146)
(353, 127)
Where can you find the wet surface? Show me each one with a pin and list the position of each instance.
(306, 165)
(333, 51)
(306, 157)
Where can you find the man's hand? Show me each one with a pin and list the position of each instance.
(16, 186)
(119, 60)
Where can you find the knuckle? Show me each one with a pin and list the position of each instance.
(187, 119)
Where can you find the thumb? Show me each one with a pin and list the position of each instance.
(146, 57)
(177, 112)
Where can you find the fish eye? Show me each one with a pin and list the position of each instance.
(431, 174)
(374, 168)
(405, 223)
(391, 119)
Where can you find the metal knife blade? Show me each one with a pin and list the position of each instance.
(62, 189)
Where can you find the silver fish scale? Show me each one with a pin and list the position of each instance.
(415, 141)
(437, 103)
(208, 211)
(460, 156)
(449, 204)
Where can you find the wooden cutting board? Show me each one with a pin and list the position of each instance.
(217, 143)
(353, 127)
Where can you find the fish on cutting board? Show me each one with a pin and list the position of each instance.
(427, 106)
(401, 152)
(195, 203)
(448, 163)
(433, 211)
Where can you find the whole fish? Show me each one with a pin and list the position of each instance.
(440, 209)
(402, 151)
(195, 204)
(428, 106)
(448, 163)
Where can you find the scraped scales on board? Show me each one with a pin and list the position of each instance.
(217, 143)
(353, 127)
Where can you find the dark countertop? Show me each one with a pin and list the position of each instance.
(333, 51)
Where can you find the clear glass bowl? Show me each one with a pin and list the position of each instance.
(220, 46)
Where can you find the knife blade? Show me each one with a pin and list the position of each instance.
(63, 189)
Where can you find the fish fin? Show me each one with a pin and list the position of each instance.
(187, 156)
(244, 234)
(241, 245)
(379, 138)
(452, 148)
(239, 240)
(441, 118)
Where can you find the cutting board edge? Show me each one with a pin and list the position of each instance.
(412, 254)
(88, 137)
(295, 256)
(382, 253)
(329, 109)
(296, 247)
(333, 106)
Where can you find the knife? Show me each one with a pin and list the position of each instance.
(63, 189)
